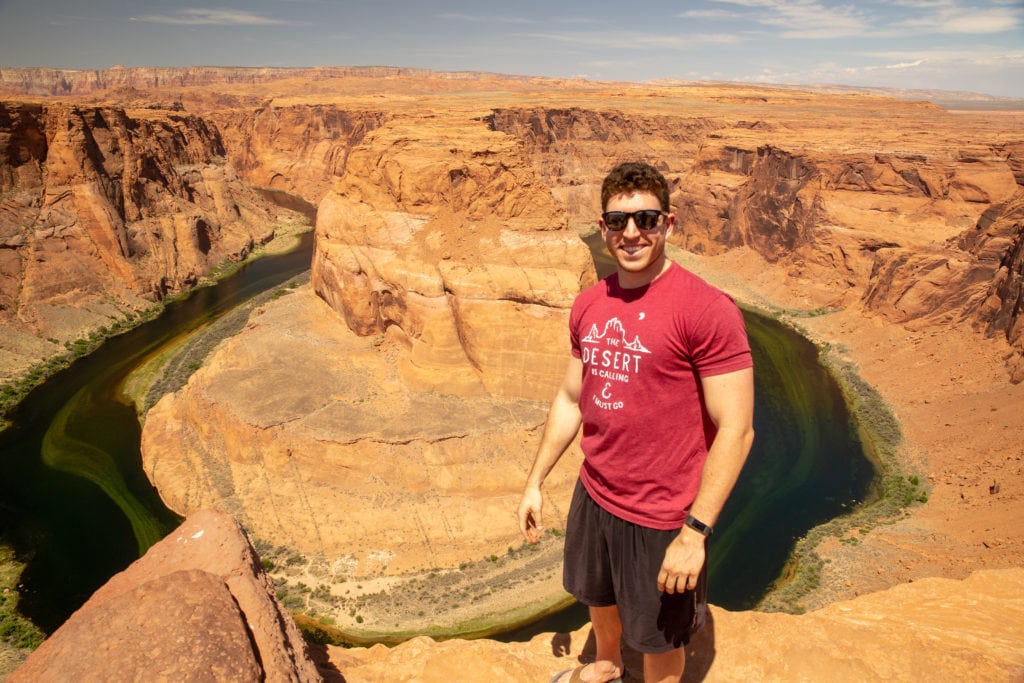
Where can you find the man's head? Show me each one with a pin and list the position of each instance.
(633, 177)
(636, 222)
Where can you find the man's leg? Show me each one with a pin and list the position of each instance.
(608, 633)
(664, 667)
(607, 629)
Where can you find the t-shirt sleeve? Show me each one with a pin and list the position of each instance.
(721, 345)
(574, 329)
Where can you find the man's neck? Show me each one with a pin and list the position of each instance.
(628, 280)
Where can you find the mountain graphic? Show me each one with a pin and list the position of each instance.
(614, 327)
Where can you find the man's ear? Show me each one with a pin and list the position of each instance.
(670, 223)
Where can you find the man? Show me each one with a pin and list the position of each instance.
(661, 381)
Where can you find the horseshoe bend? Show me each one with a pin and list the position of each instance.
(371, 430)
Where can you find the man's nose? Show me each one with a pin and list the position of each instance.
(631, 230)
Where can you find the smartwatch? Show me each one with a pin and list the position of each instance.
(698, 525)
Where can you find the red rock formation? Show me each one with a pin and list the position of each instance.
(197, 607)
(62, 82)
(299, 149)
(456, 248)
(869, 222)
(428, 245)
(103, 211)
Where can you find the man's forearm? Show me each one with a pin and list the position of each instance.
(730, 403)
(725, 460)
(561, 428)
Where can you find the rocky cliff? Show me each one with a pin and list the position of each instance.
(299, 149)
(103, 212)
(78, 82)
(444, 270)
(924, 228)
(197, 607)
(446, 256)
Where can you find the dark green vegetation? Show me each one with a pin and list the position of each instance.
(807, 466)
(15, 630)
(309, 587)
(15, 391)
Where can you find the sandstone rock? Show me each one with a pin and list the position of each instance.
(105, 212)
(196, 607)
(901, 219)
(935, 629)
(43, 81)
(301, 150)
(461, 250)
(310, 438)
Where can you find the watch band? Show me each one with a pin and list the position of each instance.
(698, 525)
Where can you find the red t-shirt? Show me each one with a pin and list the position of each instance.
(646, 431)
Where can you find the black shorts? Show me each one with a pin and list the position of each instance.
(609, 561)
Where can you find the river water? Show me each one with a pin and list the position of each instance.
(78, 508)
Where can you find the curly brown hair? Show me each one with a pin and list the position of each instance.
(634, 176)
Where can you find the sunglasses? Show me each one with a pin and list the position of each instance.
(646, 219)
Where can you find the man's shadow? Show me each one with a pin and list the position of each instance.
(700, 654)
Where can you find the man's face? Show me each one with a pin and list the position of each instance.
(639, 254)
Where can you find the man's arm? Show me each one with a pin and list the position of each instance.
(729, 399)
(560, 429)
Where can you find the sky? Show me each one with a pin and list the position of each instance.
(960, 45)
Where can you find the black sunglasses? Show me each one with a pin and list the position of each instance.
(645, 219)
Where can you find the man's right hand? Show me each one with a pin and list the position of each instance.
(530, 514)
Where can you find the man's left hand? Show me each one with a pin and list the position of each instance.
(684, 558)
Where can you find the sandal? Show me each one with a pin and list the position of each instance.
(578, 671)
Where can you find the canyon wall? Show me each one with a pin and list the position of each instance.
(912, 228)
(103, 212)
(299, 149)
(77, 82)
(446, 248)
(392, 426)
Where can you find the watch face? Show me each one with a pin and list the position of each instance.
(698, 525)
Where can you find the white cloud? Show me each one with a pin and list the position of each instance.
(814, 19)
(995, 20)
(954, 58)
(637, 39)
(709, 14)
(212, 17)
(806, 18)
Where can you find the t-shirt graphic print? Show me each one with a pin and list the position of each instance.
(610, 356)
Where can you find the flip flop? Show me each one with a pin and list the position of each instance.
(577, 672)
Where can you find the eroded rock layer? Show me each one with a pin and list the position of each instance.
(103, 211)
